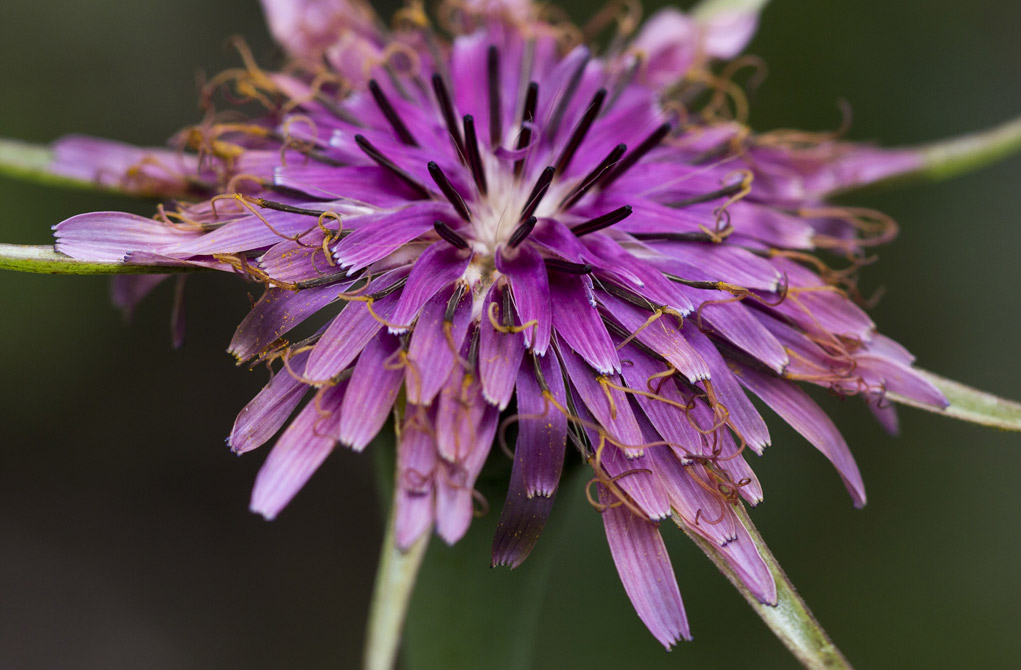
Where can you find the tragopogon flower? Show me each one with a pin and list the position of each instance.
(512, 222)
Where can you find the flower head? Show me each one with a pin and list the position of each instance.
(513, 224)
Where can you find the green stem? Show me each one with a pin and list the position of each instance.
(958, 155)
(790, 619)
(45, 260)
(395, 582)
(31, 162)
(706, 9)
(969, 404)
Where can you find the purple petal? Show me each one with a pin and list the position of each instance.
(796, 408)
(438, 266)
(297, 454)
(728, 392)
(522, 520)
(578, 323)
(415, 488)
(499, 353)
(431, 355)
(734, 322)
(661, 335)
(542, 428)
(645, 571)
(456, 481)
(376, 237)
(133, 170)
(637, 478)
(898, 378)
(704, 512)
(351, 330)
(107, 237)
(277, 312)
(530, 288)
(458, 414)
(372, 391)
(264, 415)
(618, 419)
(743, 556)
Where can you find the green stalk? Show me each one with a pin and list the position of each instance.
(790, 619)
(45, 260)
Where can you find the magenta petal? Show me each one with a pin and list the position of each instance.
(377, 237)
(372, 391)
(742, 555)
(899, 378)
(458, 412)
(277, 312)
(349, 332)
(530, 288)
(618, 419)
(297, 454)
(431, 356)
(645, 571)
(268, 411)
(456, 481)
(578, 323)
(414, 495)
(728, 392)
(662, 336)
(796, 408)
(542, 428)
(438, 266)
(107, 237)
(499, 353)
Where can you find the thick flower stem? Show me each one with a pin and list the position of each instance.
(395, 582)
(958, 155)
(790, 619)
(43, 259)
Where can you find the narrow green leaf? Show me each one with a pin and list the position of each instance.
(969, 404)
(45, 260)
(395, 582)
(790, 619)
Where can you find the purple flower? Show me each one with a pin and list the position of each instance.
(510, 233)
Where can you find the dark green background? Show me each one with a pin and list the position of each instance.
(124, 536)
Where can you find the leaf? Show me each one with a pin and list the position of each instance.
(969, 404)
(45, 260)
(790, 619)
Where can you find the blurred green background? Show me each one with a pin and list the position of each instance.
(124, 536)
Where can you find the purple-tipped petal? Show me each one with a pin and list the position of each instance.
(298, 453)
(743, 556)
(645, 571)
